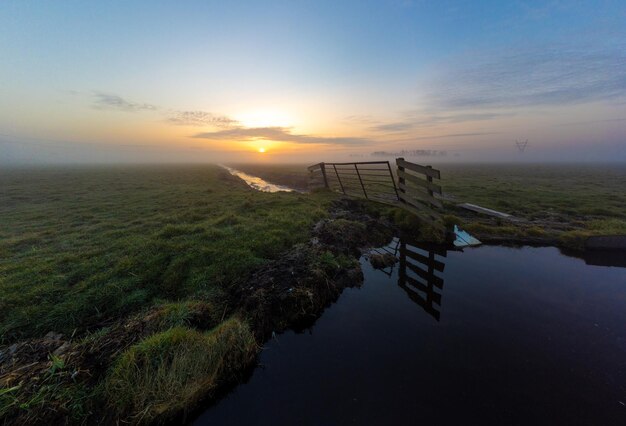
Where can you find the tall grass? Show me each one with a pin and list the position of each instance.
(170, 371)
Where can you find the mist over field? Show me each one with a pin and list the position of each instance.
(24, 154)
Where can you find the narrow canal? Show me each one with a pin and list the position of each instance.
(490, 335)
(258, 183)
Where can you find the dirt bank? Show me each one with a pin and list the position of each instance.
(294, 290)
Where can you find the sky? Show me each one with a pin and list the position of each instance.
(217, 81)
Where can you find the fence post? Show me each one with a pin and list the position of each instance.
(430, 179)
(323, 167)
(401, 180)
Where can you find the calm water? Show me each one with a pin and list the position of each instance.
(258, 183)
(500, 336)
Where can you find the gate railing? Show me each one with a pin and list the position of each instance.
(371, 179)
(375, 180)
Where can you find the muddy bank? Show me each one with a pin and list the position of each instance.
(292, 291)
(62, 376)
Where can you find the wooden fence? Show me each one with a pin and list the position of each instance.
(415, 189)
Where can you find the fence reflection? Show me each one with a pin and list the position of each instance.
(418, 265)
(416, 276)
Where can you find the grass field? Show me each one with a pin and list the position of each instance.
(561, 203)
(83, 248)
(80, 246)
(147, 256)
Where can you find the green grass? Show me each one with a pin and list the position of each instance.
(79, 247)
(173, 370)
(82, 250)
(550, 192)
(566, 202)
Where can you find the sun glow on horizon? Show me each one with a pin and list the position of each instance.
(262, 150)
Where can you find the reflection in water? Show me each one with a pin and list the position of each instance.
(514, 345)
(258, 183)
(599, 257)
(416, 274)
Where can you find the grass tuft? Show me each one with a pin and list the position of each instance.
(172, 370)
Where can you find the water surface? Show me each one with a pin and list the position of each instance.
(491, 335)
(258, 183)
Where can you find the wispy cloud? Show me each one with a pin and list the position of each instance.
(539, 75)
(393, 127)
(200, 118)
(360, 119)
(418, 119)
(279, 134)
(115, 102)
(452, 135)
(587, 122)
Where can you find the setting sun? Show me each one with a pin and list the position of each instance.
(261, 150)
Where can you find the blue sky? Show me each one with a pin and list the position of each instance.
(311, 78)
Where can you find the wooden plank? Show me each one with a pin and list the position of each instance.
(428, 171)
(430, 278)
(418, 181)
(437, 265)
(485, 210)
(434, 296)
(422, 196)
(429, 247)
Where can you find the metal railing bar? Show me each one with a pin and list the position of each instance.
(360, 162)
(394, 181)
(339, 179)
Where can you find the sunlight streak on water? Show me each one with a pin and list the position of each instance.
(258, 183)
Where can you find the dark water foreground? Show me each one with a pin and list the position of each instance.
(492, 335)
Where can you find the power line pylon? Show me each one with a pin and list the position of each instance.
(521, 145)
